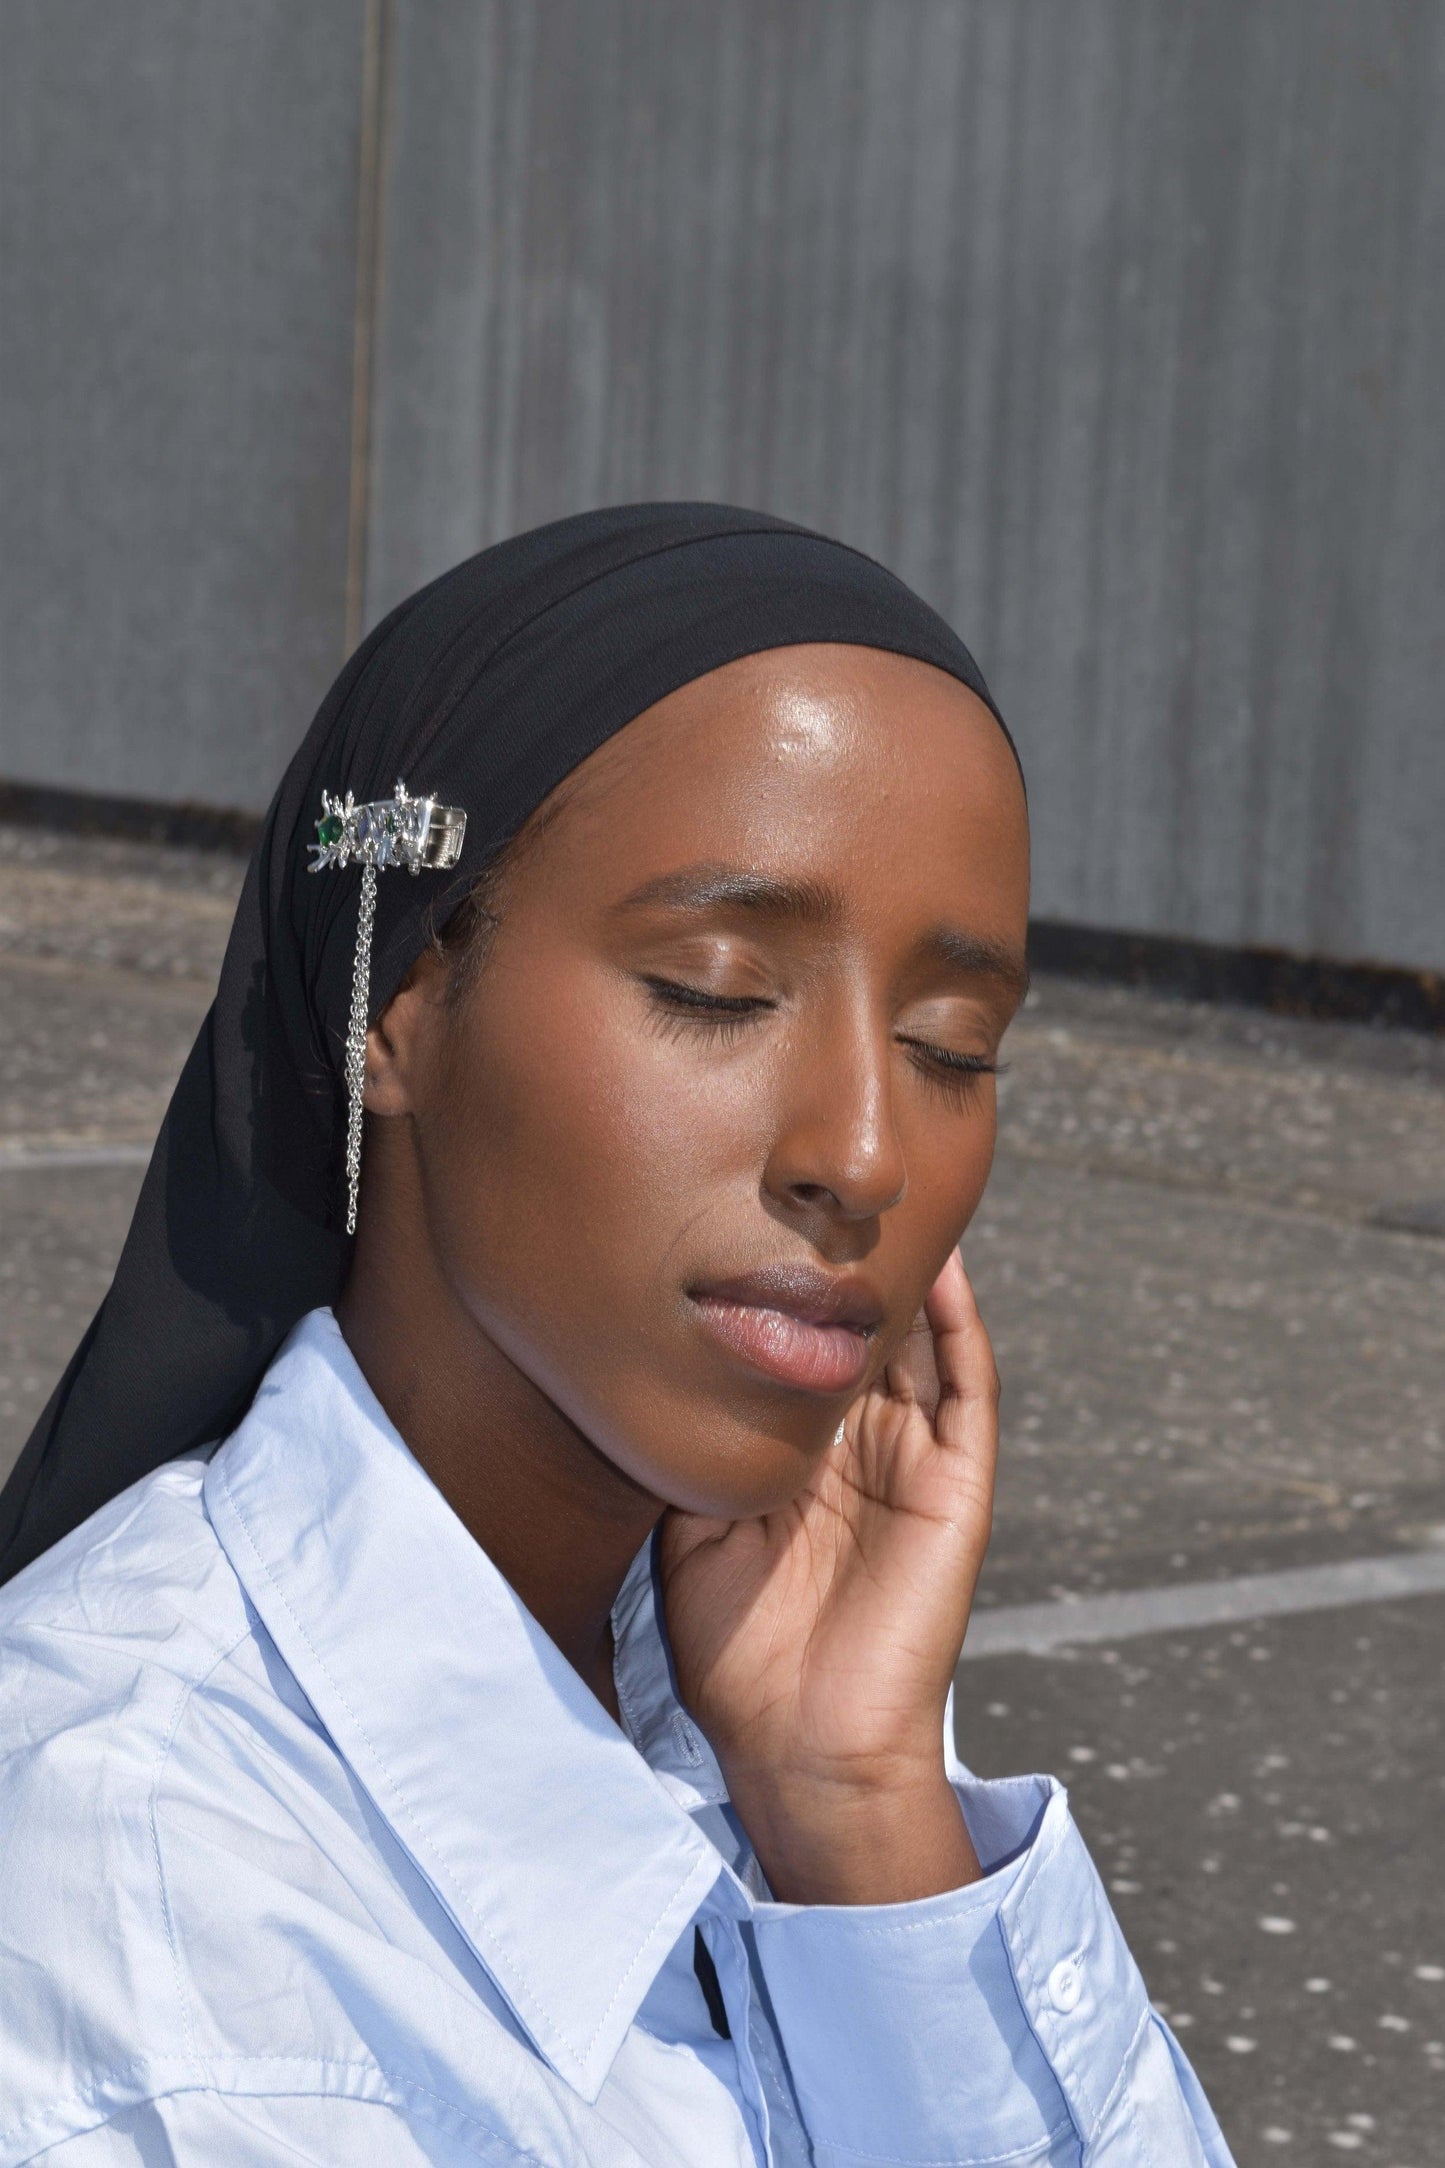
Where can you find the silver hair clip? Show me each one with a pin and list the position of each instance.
(396, 831)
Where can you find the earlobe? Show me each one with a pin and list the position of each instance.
(394, 1046)
(385, 1092)
(399, 1041)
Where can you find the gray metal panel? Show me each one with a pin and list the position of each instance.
(1116, 328)
(178, 190)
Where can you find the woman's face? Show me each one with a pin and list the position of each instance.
(696, 1140)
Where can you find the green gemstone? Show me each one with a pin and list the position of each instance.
(329, 831)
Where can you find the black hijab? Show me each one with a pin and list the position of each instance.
(484, 690)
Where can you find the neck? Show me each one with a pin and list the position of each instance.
(557, 1518)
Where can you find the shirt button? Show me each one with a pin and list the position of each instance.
(1065, 1986)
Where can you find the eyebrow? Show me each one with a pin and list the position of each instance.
(812, 903)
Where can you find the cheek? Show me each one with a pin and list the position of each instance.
(575, 1174)
(960, 1148)
(949, 1156)
(583, 1137)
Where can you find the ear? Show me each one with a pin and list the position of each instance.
(401, 1046)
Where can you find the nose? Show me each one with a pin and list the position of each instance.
(836, 1148)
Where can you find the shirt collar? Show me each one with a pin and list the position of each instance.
(569, 1867)
(652, 1712)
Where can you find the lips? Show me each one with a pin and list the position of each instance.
(794, 1323)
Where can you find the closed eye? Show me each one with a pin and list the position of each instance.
(692, 998)
(717, 1016)
(723, 1015)
(956, 1075)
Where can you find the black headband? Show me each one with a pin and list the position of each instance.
(485, 690)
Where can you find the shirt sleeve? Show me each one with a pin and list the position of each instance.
(1004, 2017)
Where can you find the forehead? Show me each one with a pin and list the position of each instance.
(842, 764)
(801, 711)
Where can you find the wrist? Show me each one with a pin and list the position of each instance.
(831, 1838)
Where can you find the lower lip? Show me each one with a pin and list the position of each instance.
(819, 1358)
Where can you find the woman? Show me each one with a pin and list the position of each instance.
(523, 1738)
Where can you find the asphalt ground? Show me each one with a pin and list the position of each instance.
(1212, 1257)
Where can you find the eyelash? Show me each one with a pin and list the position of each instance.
(721, 1017)
(716, 1015)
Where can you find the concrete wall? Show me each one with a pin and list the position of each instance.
(1114, 326)
(178, 199)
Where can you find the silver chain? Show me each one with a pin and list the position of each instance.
(402, 830)
(356, 1039)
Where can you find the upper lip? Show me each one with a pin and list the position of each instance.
(803, 1291)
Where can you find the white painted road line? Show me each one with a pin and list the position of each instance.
(17, 1160)
(1036, 1629)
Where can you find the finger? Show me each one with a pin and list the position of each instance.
(967, 1374)
(911, 1371)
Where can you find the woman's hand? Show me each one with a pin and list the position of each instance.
(815, 1645)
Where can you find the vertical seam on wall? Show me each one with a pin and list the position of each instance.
(371, 173)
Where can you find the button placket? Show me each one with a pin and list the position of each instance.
(723, 1937)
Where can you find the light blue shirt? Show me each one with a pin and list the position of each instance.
(313, 1848)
